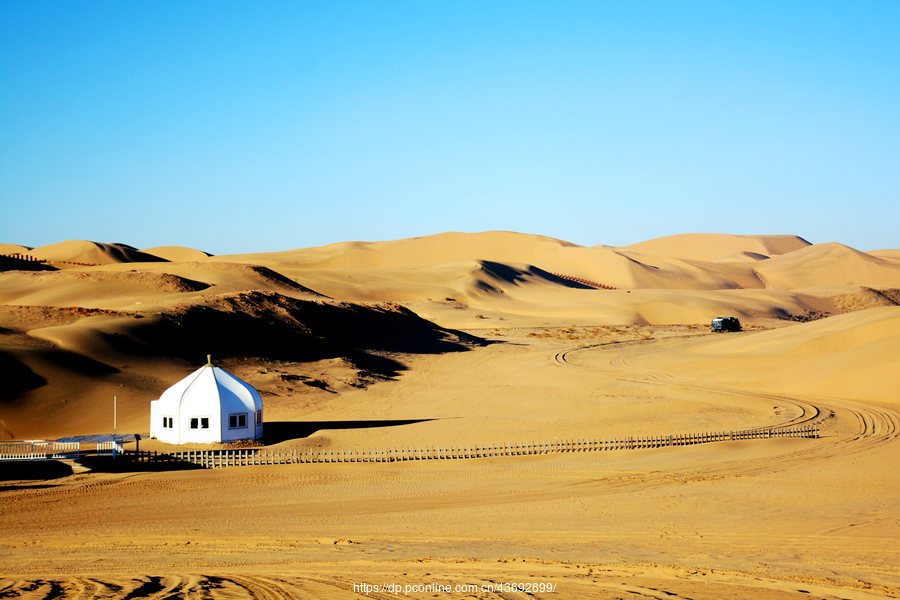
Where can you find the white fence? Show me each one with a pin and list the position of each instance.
(39, 450)
(110, 448)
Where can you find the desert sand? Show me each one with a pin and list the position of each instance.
(459, 339)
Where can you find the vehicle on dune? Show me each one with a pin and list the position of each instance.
(723, 324)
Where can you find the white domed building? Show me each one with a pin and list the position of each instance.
(209, 405)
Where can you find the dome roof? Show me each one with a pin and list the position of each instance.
(211, 388)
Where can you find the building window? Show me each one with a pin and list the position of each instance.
(199, 422)
(237, 421)
(258, 418)
(168, 423)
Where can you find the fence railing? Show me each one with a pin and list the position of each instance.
(212, 459)
(582, 281)
(32, 259)
(110, 448)
(39, 450)
(25, 257)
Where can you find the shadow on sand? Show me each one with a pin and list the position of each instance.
(28, 470)
(52, 470)
(124, 464)
(275, 432)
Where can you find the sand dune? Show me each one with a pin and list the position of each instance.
(852, 356)
(62, 355)
(509, 294)
(224, 276)
(603, 265)
(886, 254)
(458, 248)
(154, 286)
(717, 247)
(828, 265)
(91, 289)
(840, 333)
(177, 253)
(863, 298)
(532, 304)
(430, 250)
(13, 249)
(91, 253)
(711, 262)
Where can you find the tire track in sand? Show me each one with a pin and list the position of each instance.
(183, 586)
(874, 426)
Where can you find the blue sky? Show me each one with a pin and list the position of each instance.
(246, 126)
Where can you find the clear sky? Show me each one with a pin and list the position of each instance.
(246, 126)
